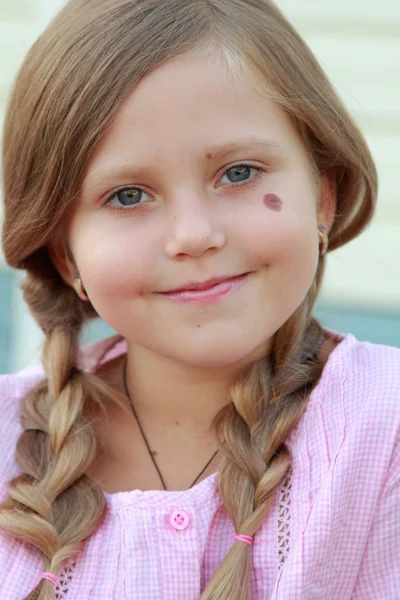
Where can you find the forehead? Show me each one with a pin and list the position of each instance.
(190, 106)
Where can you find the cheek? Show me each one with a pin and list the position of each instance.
(112, 264)
(278, 231)
(285, 244)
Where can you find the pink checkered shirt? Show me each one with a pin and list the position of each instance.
(332, 534)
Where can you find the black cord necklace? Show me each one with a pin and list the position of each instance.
(145, 439)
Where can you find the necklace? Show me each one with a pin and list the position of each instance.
(145, 439)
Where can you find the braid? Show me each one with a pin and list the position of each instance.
(266, 405)
(53, 505)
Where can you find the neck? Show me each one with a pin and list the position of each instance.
(168, 394)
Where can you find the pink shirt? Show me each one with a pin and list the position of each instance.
(332, 534)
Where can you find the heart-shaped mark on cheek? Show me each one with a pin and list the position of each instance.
(273, 202)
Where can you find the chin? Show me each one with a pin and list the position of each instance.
(216, 358)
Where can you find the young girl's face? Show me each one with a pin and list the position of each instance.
(199, 178)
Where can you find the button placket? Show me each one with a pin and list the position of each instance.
(178, 545)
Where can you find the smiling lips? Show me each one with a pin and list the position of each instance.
(206, 292)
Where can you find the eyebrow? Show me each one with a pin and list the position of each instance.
(251, 143)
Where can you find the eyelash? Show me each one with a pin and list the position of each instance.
(259, 173)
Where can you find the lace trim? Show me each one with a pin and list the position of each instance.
(65, 579)
(283, 529)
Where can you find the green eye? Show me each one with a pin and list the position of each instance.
(239, 173)
(129, 197)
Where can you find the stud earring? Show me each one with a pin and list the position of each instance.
(79, 289)
(324, 242)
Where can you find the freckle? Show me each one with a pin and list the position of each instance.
(177, 423)
(209, 155)
(273, 202)
(154, 452)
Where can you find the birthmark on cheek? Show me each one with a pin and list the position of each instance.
(177, 423)
(273, 202)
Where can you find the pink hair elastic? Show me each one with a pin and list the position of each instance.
(247, 539)
(50, 577)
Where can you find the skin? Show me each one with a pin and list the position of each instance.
(196, 222)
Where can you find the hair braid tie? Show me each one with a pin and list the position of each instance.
(247, 539)
(50, 577)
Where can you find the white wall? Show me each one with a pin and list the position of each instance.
(358, 43)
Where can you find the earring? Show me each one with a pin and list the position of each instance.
(79, 289)
(324, 242)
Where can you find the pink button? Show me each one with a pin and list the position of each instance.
(179, 520)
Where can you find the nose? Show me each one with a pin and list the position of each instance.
(193, 229)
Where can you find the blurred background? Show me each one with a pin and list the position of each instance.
(358, 44)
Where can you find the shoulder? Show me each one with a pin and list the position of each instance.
(13, 388)
(356, 405)
(377, 362)
(367, 375)
(349, 435)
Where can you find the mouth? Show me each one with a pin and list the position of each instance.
(206, 291)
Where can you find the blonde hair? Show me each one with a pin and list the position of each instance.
(69, 88)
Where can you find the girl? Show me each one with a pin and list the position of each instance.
(179, 167)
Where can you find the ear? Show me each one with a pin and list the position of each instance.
(327, 200)
(63, 262)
